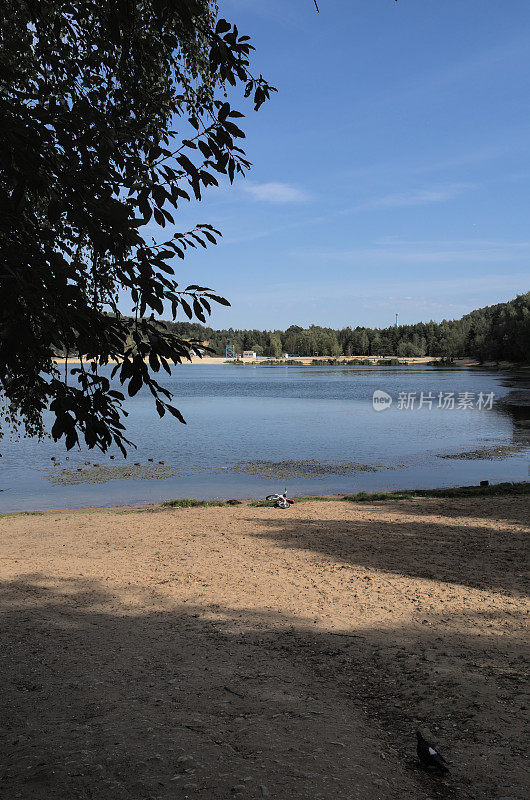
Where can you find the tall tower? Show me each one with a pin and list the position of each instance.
(396, 320)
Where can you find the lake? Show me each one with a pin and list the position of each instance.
(253, 430)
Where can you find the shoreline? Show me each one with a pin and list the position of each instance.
(342, 361)
(503, 489)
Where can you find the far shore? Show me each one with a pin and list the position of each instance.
(209, 360)
(306, 361)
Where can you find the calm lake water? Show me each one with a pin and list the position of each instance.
(320, 420)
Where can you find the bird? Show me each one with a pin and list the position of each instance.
(112, 457)
(150, 459)
(52, 458)
(160, 462)
(429, 756)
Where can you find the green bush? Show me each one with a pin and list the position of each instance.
(522, 488)
(189, 502)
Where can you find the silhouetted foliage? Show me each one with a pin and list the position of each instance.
(112, 115)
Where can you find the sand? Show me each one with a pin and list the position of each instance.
(252, 652)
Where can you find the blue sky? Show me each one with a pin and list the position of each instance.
(391, 171)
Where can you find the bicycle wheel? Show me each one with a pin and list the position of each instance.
(273, 497)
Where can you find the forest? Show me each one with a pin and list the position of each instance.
(495, 333)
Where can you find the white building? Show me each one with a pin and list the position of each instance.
(249, 354)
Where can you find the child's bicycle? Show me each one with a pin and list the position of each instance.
(280, 500)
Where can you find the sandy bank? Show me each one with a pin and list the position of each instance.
(253, 652)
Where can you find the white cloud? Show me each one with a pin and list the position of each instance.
(405, 253)
(513, 142)
(274, 192)
(420, 197)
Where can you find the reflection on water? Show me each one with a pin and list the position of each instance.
(322, 416)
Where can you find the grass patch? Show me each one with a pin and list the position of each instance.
(9, 514)
(321, 498)
(303, 468)
(102, 473)
(362, 497)
(497, 489)
(189, 502)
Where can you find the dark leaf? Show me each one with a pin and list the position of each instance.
(222, 300)
(135, 384)
(186, 307)
(176, 413)
(222, 26)
(159, 217)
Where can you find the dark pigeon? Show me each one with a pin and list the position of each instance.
(429, 756)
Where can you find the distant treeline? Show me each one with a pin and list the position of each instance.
(494, 333)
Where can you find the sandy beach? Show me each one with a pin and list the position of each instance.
(209, 653)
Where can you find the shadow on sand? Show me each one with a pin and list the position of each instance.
(470, 553)
(115, 694)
